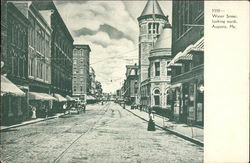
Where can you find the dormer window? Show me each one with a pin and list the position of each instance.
(153, 28)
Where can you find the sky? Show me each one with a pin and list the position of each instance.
(111, 30)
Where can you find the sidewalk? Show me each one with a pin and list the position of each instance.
(193, 134)
(2, 128)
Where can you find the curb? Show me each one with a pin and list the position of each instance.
(19, 125)
(195, 141)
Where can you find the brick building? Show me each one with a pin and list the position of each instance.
(188, 63)
(80, 82)
(61, 49)
(39, 48)
(15, 58)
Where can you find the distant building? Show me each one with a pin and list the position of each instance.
(61, 48)
(80, 82)
(188, 61)
(131, 83)
(151, 22)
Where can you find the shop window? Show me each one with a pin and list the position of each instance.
(157, 68)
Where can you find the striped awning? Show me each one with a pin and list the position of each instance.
(187, 54)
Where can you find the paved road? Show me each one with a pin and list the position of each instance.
(104, 134)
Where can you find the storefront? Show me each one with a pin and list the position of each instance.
(12, 99)
(188, 70)
(41, 104)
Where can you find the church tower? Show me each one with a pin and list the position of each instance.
(151, 22)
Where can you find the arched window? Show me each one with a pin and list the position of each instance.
(157, 97)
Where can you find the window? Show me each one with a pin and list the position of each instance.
(157, 97)
(75, 61)
(168, 71)
(157, 68)
(81, 88)
(153, 28)
(74, 88)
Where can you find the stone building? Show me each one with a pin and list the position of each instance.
(131, 83)
(80, 82)
(151, 22)
(159, 73)
(188, 61)
(61, 49)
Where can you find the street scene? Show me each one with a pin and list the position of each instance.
(106, 133)
(102, 81)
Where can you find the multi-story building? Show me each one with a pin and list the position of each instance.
(80, 82)
(61, 49)
(15, 61)
(159, 73)
(3, 34)
(188, 63)
(131, 83)
(151, 22)
(39, 48)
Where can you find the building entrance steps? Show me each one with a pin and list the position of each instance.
(191, 133)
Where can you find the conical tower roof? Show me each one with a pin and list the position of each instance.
(152, 8)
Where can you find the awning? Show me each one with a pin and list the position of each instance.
(60, 98)
(40, 96)
(173, 61)
(69, 98)
(185, 56)
(91, 98)
(7, 87)
(198, 47)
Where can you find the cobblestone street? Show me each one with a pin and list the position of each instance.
(105, 133)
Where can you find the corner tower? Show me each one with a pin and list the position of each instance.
(151, 21)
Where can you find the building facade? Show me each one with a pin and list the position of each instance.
(80, 82)
(131, 84)
(39, 48)
(151, 22)
(159, 73)
(188, 62)
(3, 35)
(61, 49)
(15, 62)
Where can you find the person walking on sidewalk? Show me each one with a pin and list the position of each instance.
(151, 123)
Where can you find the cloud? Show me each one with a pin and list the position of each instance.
(111, 30)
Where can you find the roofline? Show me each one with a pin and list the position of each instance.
(11, 5)
(151, 16)
(83, 46)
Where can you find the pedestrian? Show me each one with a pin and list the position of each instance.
(151, 123)
(64, 108)
(33, 112)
